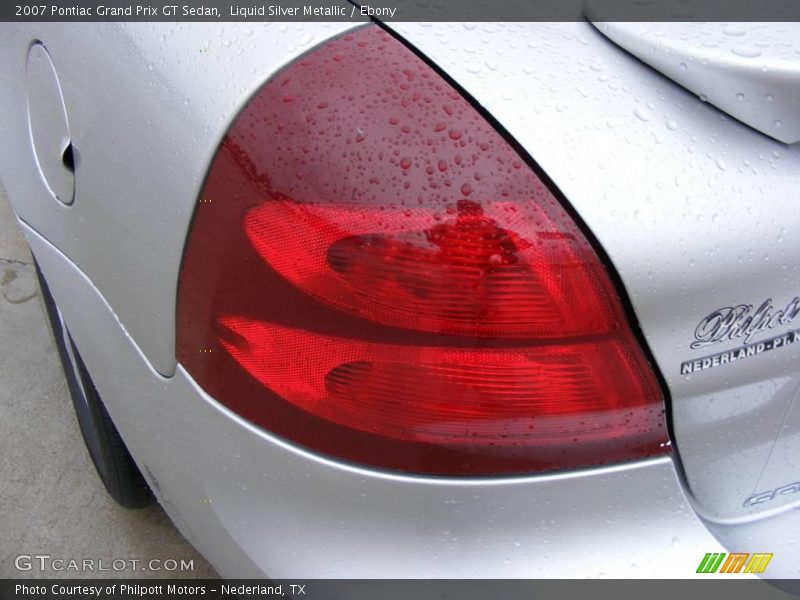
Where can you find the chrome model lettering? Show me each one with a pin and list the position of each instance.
(762, 497)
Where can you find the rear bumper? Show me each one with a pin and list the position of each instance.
(256, 505)
(295, 514)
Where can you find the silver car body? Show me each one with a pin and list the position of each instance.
(696, 211)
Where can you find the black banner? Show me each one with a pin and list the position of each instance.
(716, 586)
(401, 10)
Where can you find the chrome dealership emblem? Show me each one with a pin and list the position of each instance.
(741, 322)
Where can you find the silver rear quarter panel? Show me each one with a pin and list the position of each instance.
(695, 210)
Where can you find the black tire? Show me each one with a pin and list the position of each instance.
(114, 464)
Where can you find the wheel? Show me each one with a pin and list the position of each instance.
(114, 464)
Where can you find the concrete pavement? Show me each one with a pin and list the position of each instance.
(51, 500)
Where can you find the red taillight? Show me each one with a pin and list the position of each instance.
(375, 273)
(489, 269)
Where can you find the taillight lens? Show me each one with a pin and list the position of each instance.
(475, 268)
(374, 273)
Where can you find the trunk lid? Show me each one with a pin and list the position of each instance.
(749, 70)
(698, 214)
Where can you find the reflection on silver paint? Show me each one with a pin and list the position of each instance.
(749, 70)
